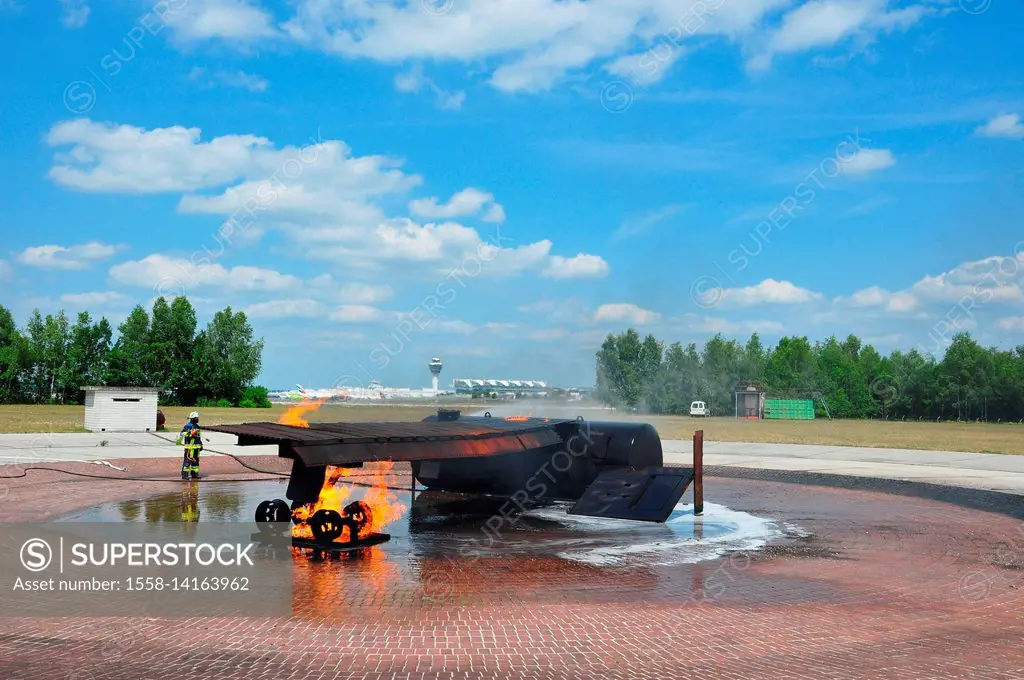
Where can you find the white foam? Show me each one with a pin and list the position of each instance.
(688, 539)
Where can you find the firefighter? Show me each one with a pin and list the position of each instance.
(192, 439)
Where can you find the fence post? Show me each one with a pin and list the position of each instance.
(698, 472)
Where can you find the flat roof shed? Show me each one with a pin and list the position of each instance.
(120, 409)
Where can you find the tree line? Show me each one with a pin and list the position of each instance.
(51, 359)
(845, 378)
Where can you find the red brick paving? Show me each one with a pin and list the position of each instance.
(886, 587)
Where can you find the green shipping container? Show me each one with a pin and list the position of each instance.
(788, 409)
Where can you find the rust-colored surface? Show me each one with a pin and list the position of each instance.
(882, 587)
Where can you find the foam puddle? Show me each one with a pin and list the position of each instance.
(683, 539)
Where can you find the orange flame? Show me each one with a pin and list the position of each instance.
(294, 415)
(336, 494)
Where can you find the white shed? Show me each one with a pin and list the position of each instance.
(120, 409)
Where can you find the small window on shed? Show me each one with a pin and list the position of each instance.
(133, 399)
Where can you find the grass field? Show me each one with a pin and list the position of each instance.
(978, 437)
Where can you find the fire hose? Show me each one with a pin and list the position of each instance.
(237, 459)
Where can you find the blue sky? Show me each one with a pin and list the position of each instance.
(503, 182)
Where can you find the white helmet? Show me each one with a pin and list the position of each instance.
(194, 415)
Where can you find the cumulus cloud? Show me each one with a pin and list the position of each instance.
(1005, 125)
(466, 203)
(868, 160)
(768, 291)
(67, 257)
(625, 312)
(528, 45)
(820, 24)
(875, 296)
(232, 20)
(581, 266)
(330, 203)
(179, 275)
(361, 314)
(365, 293)
(995, 280)
(286, 309)
(90, 300)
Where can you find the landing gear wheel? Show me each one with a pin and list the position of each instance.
(360, 514)
(269, 512)
(326, 525)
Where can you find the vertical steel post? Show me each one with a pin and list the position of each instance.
(698, 472)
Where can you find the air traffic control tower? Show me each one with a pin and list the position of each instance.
(435, 372)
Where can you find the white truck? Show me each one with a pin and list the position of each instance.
(699, 409)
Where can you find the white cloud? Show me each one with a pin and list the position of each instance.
(627, 312)
(973, 285)
(235, 20)
(224, 78)
(638, 226)
(286, 309)
(89, 300)
(181, 276)
(123, 158)
(880, 297)
(75, 13)
(768, 291)
(581, 266)
(69, 257)
(821, 24)
(693, 323)
(364, 293)
(415, 81)
(465, 203)
(1011, 323)
(529, 44)
(360, 314)
(5, 270)
(868, 160)
(328, 203)
(494, 214)
(647, 67)
(1004, 125)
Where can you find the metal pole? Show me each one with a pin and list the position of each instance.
(698, 473)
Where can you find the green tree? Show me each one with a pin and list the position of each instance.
(14, 359)
(159, 359)
(754, 359)
(791, 369)
(227, 358)
(88, 353)
(50, 369)
(183, 384)
(129, 357)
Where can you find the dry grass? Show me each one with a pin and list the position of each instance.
(978, 437)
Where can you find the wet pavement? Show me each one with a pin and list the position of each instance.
(776, 580)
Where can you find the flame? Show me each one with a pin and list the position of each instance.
(382, 500)
(293, 416)
(516, 419)
(336, 494)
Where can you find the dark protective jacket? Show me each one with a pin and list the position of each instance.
(191, 437)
